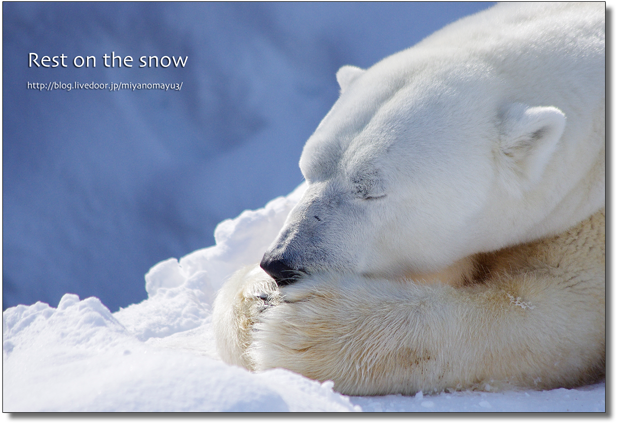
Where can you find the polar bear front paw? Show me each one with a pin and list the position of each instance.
(247, 294)
(329, 327)
(325, 327)
(259, 325)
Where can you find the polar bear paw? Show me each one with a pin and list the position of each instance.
(236, 310)
(259, 325)
(325, 327)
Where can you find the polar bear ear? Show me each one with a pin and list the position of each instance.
(529, 136)
(346, 75)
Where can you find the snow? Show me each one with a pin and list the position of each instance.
(98, 187)
(159, 354)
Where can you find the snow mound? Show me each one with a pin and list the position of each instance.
(159, 355)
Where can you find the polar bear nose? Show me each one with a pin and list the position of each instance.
(280, 271)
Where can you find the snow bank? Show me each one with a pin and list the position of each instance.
(159, 355)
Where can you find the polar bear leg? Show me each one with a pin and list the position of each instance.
(540, 328)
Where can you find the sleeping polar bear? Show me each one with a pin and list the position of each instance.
(452, 235)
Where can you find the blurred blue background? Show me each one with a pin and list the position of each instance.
(99, 186)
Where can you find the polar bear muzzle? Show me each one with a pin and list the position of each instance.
(280, 270)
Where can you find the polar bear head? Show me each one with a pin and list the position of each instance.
(415, 167)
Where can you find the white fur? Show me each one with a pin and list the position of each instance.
(486, 135)
(346, 75)
(528, 138)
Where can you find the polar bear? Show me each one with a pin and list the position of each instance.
(452, 233)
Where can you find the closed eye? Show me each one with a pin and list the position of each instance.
(369, 186)
(374, 197)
